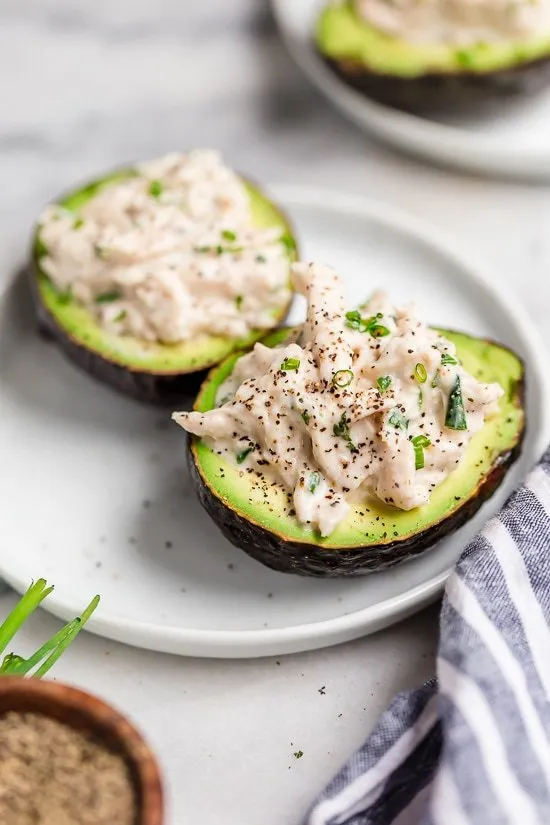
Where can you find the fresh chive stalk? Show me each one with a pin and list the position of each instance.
(48, 654)
(456, 415)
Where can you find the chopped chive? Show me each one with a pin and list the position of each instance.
(435, 380)
(384, 382)
(239, 301)
(341, 430)
(65, 298)
(355, 321)
(108, 297)
(342, 378)
(156, 188)
(121, 316)
(314, 481)
(447, 359)
(456, 416)
(40, 248)
(420, 399)
(243, 454)
(229, 235)
(419, 442)
(290, 364)
(202, 249)
(261, 259)
(305, 417)
(420, 373)
(398, 420)
(288, 241)
(79, 223)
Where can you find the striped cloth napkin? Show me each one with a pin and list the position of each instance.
(473, 746)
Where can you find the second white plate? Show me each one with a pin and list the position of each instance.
(509, 141)
(96, 498)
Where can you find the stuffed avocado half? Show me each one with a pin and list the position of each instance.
(432, 54)
(191, 265)
(385, 521)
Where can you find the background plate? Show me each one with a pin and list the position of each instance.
(96, 497)
(512, 140)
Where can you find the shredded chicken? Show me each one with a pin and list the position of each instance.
(364, 404)
(464, 22)
(169, 254)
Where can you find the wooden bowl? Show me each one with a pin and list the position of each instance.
(84, 712)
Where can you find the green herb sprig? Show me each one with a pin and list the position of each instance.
(419, 442)
(40, 662)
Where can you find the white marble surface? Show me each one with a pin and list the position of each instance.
(87, 86)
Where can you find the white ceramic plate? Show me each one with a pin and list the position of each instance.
(509, 141)
(96, 498)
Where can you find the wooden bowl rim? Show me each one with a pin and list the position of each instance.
(92, 714)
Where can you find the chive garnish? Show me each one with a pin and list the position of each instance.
(243, 454)
(155, 189)
(229, 235)
(314, 481)
(79, 223)
(398, 420)
(65, 298)
(447, 359)
(372, 325)
(121, 316)
(239, 301)
(434, 383)
(456, 416)
(419, 442)
(305, 417)
(420, 373)
(261, 259)
(288, 241)
(420, 399)
(384, 382)
(108, 297)
(290, 364)
(341, 430)
(342, 378)
(40, 248)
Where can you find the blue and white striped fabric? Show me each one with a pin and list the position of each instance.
(473, 746)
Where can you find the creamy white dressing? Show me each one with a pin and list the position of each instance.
(461, 22)
(356, 407)
(169, 254)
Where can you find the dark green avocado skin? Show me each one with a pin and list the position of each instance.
(464, 91)
(312, 560)
(161, 390)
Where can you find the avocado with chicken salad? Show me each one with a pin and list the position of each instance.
(436, 54)
(151, 275)
(357, 441)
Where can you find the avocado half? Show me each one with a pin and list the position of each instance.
(258, 517)
(153, 372)
(423, 76)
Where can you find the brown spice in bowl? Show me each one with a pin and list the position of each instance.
(51, 774)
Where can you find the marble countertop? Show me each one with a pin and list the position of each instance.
(87, 86)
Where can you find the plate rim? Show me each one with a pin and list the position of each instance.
(350, 625)
(412, 134)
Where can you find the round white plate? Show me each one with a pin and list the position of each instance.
(96, 498)
(512, 140)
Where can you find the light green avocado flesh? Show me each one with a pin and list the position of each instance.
(270, 507)
(342, 35)
(145, 356)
